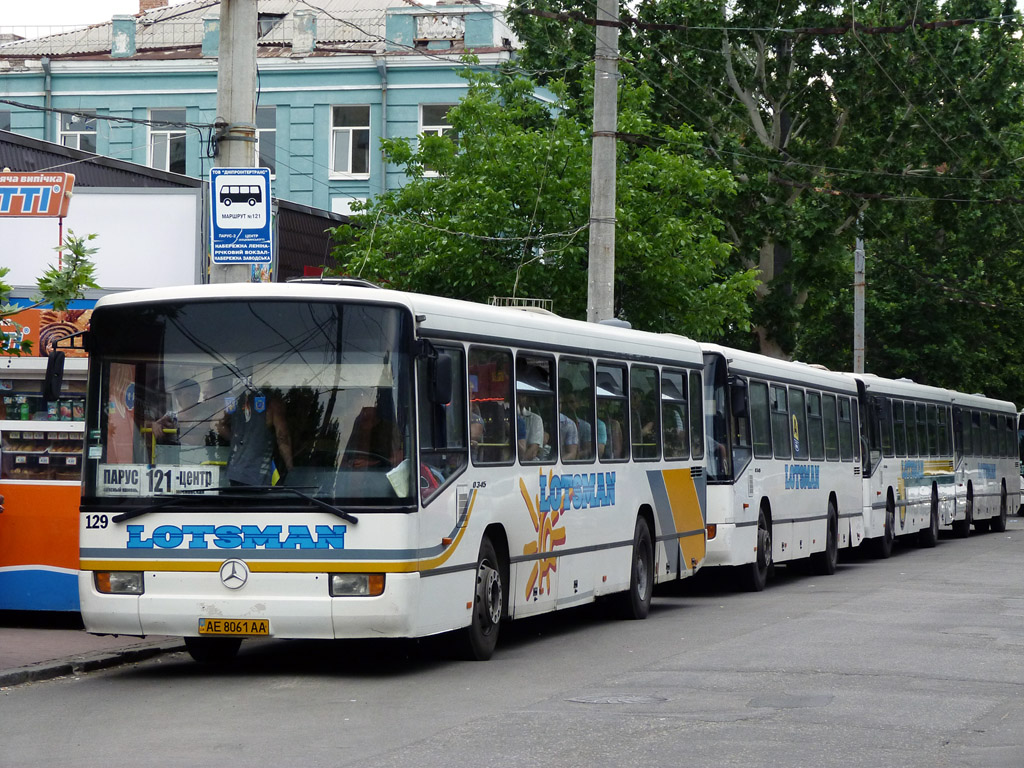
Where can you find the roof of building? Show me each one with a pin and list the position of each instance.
(176, 32)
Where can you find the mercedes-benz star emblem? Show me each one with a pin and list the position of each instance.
(234, 574)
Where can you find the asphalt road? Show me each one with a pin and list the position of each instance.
(911, 661)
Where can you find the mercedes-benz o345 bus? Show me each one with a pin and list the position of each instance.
(783, 475)
(987, 463)
(909, 482)
(330, 461)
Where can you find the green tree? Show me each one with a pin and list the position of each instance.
(57, 287)
(907, 134)
(503, 211)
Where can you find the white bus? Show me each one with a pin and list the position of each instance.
(909, 462)
(335, 461)
(987, 463)
(783, 471)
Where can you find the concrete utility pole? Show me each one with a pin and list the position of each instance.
(858, 306)
(236, 104)
(601, 284)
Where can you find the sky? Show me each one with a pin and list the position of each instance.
(15, 15)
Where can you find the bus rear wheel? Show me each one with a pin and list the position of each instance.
(824, 563)
(755, 575)
(962, 528)
(636, 602)
(999, 522)
(481, 636)
(882, 545)
(213, 650)
(929, 537)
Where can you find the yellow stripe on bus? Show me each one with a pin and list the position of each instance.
(686, 512)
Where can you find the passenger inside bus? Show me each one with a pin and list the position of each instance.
(258, 435)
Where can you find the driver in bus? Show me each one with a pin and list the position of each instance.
(255, 427)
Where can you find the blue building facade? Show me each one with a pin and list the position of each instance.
(332, 82)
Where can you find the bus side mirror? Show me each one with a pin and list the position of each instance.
(54, 376)
(441, 379)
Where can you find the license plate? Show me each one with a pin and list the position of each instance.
(234, 627)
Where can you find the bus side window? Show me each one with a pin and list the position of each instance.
(798, 416)
(885, 425)
(846, 448)
(815, 435)
(911, 429)
(899, 428)
(576, 409)
(673, 415)
(828, 403)
(760, 420)
(535, 409)
(696, 416)
(922, 429)
(611, 413)
(442, 426)
(781, 431)
(645, 429)
(490, 385)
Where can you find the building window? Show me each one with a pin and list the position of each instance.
(434, 122)
(78, 131)
(266, 138)
(5, 119)
(350, 140)
(167, 140)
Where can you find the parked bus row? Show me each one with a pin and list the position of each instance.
(335, 461)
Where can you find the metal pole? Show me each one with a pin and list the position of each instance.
(601, 283)
(858, 306)
(236, 104)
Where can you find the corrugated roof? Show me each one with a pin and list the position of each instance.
(338, 22)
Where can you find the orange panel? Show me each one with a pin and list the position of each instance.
(39, 525)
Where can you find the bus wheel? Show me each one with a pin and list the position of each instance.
(999, 522)
(962, 528)
(757, 572)
(883, 544)
(212, 650)
(481, 636)
(929, 537)
(636, 603)
(824, 563)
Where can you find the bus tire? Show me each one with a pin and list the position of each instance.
(999, 521)
(636, 602)
(755, 575)
(481, 636)
(824, 563)
(929, 537)
(962, 528)
(882, 545)
(215, 651)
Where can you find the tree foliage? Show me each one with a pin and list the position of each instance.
(503, 211)
(911, 136)
(57, 286)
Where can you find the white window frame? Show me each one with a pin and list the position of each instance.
(435, 129)
(73, 139)
(265, 134)
(351, 130)
(169, 135)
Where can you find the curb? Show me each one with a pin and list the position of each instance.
(76, 665)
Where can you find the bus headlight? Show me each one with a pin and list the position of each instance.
(119, 582)
(357, 584)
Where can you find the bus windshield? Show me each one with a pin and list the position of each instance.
(195, 397)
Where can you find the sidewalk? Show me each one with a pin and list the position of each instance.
(41, 645)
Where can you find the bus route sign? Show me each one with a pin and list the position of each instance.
(240, 221)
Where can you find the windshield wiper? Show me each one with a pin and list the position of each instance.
(237, 491)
